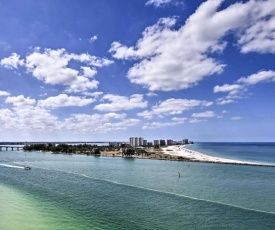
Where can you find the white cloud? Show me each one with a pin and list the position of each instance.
(162, 3)
(28, 118)
(37, 118)
(262, 76)
(235, 90)
(20, 101)
(227, 88)
(174, 121)
(157, 3)
(151, 94)
(224, 101)
(4, 93)
(170, 59)
(7, 119)
(53, 67)
(63, 100)
(12, 62)
(94, 94)
(259, 34)
(206, 114)
(195, 120)
(179, 119)
(178, 59)
(99, 123)
(121, 103)
(172, 106)
(88, 72)
(93, 38)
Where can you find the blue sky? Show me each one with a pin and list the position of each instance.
(162, 69)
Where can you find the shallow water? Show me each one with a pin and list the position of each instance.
(81, 192)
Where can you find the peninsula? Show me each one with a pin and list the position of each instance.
(173, 152)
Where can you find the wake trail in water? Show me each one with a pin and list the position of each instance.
(11, 166)
(160, 191)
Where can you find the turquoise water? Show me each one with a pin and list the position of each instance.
(81, 192)
(258, 152)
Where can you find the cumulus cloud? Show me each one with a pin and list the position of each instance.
(4, 93)
(99, 122)
(227, 88)
(31, 117)
(178, 59)
(235, 90)
(151, 94)
(170, 59)
(261, 76)
(12, 62)
(118, 103)
(20, 101)
(63, 100)
(28, 118)
(53, 67)
(172, 106)
(259, 34)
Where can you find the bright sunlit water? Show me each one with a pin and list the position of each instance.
(86, 192)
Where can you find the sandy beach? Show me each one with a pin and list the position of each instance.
(192, 155)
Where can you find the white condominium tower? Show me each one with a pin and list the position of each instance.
(136, 141)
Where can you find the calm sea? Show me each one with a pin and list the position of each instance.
(257, 152)
(86, 192)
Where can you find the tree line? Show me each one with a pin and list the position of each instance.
(87, 149)
(67, 149)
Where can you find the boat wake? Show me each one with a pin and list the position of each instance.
(11, 166)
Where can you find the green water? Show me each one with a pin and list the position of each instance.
(80, 192)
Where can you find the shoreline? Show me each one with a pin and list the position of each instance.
(194, 156)
(173, 153)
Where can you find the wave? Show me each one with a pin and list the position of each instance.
(160, 191)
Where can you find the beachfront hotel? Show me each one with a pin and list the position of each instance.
(141, 142)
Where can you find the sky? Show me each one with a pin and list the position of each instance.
(104, 70)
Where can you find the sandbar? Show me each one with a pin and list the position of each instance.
(191, 155)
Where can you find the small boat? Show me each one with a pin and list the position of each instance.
(27, 167)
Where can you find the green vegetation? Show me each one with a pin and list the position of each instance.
(67, 149)
(87, 149)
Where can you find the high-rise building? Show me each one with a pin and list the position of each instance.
(169, 142)
(156, 143)
(131, 140)
(162, 142)
(140, 141)
(136, 141)
(144, 142)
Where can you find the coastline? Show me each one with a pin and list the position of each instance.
(191, 155)
(172, 153)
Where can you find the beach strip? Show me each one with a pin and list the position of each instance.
(191, 155)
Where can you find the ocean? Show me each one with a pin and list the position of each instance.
(89, 192)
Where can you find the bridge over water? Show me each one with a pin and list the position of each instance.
(11, 147)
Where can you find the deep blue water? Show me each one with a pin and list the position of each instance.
(86, 192)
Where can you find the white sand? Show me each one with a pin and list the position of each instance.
(192, 155)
